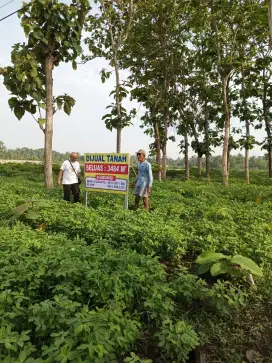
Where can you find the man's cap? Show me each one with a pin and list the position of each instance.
(141, 151)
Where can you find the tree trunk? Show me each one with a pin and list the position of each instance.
(246, 161)
(270, 22)
(246, 165)
(158, 149)
(208, 168)
(164, 162)
(207, 140)
(48, 144)
(197, 150)
(118, 105)
(225, 159)
(199, 165)
(270, 161)
(269, 146)
(228, 161)
(164, 153)
(186, 153)
(267, 126)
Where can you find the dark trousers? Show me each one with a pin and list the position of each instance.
(68, 188)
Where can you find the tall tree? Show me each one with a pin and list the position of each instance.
(53, 30)
(152, 54)
(221, 22)
(109, 30)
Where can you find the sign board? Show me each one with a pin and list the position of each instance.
(108, 173)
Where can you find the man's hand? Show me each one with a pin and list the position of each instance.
(148, 190)
(60, 176)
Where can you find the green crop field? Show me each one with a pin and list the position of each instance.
(103, 284)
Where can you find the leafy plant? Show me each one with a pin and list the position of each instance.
(89, 276)
(218, 264)
(30, 210)
(177, 340)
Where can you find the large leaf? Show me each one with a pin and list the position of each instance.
(19, 112)
(208, 257)
(20, 209)
(247, 264)
(43, 204)
(219, 268)
(32, 215)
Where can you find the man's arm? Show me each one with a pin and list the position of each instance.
(79, 170)
(150, 177)
(136, 177)
(60, 176)
(61, 172)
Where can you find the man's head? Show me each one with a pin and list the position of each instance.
(141, 155)
(73, 156)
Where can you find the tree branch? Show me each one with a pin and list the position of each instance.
(40, 126)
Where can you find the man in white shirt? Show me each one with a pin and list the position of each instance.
(69, 172)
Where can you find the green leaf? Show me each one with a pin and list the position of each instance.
(202, 269)
(22, 356)
(74, 65)
(34, 72)
(78, 329)
(219, 268)
(32, 215)
(247, 264)
(20, 209)
(100, 350)
(41, 121)
(13, 101)
(37, 96)
(67, 108)
(83, 347)
(43, 204)
(27, 29)
(208, 257)
(37, 34)
(59, 357)
(19, 112)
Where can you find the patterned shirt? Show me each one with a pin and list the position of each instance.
(145, 177)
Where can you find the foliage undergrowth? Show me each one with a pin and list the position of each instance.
(104, 284)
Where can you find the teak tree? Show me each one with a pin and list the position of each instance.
(109, 31)
(53, 30)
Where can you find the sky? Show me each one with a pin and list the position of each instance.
(84, 130)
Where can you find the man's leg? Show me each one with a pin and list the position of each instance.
(146, 203)
(137, 201)
(67, 192)
(75, 191)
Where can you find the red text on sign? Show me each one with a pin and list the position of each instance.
(105, 177)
